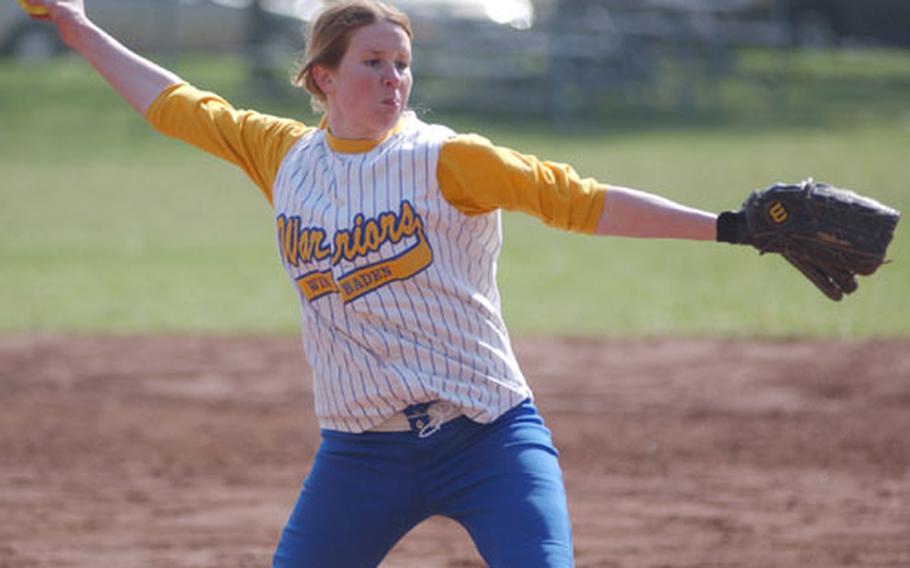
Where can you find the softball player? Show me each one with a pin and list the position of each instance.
(389, 229)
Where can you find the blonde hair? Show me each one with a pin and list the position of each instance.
(330, 34)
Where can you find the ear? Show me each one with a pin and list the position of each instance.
(324, 79)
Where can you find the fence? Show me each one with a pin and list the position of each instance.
(563, 66)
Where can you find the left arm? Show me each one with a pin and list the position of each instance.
(633, 213)
(477, 177)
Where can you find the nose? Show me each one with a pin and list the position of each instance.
(391, 76)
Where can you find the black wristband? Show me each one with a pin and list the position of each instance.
(730, 227)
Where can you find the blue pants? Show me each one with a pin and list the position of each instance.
(500, 481)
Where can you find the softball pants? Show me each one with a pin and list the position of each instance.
(501, 481)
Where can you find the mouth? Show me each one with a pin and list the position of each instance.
(392, 102)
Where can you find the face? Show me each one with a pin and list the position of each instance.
(369, 90)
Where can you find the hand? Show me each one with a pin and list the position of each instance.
(138, 80)
(68, 15)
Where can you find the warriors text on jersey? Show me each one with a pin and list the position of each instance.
(392, 246)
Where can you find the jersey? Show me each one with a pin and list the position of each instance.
(392, 247)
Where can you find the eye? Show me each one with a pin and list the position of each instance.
(372, 62)
(402, 65)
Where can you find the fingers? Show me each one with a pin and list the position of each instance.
(67, 15)
(52, 9)
(34, 9)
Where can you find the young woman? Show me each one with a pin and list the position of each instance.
(389, 228)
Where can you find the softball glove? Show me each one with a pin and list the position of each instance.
(829, 234)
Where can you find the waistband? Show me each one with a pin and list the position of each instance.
(424, 419)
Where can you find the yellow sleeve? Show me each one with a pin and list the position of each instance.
(477, 177)
(255, 142)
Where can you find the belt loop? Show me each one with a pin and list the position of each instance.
(427, 418)
(418, 416)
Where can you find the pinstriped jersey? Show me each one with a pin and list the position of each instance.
(392, 248)
(398, 287)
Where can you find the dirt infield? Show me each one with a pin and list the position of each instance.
(188, 451)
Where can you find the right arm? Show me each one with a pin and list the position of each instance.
(138, 80)
(253, 141)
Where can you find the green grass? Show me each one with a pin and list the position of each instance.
(106, 226)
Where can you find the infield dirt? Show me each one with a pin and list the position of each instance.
(189, 451)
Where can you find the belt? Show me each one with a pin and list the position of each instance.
(424, 419)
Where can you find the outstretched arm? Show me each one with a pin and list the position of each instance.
(477, 177)
(138, 80)
(633, 213)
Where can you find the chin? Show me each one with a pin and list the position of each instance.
(390, 119)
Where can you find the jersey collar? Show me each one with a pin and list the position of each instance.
(348, 146)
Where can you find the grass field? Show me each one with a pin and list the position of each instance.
(106, 226)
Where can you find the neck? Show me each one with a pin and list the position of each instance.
(345, 131)
(352, 144)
